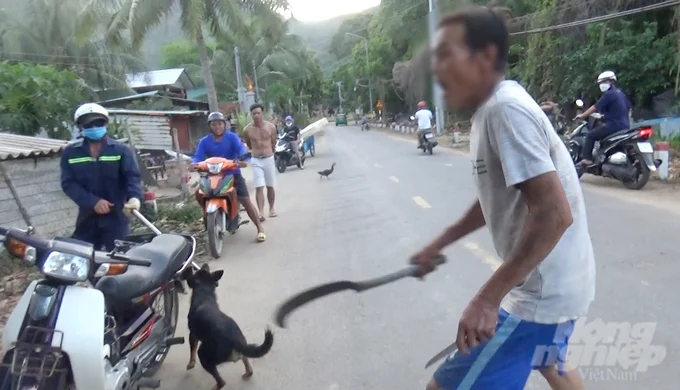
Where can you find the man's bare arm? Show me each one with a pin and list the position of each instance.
(274, 138)
(472, 220)
(548, 218)
(246, 136)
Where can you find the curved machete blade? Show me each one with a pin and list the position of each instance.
(329, 288)
(309, 295)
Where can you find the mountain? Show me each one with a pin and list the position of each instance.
(318, 35)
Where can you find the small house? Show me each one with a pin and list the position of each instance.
(174, 81)
(152, 130)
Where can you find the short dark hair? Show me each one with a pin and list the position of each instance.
(256, 106)
(484, 26)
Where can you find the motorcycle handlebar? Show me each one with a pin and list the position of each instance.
(142, 263)
(146, 222)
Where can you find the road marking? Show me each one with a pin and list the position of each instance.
(421, 202)
(486, 257)
(394, 179)
(378, 165)
(449, 165)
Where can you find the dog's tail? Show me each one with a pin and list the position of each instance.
(254, 350)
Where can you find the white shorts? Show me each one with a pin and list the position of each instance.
(264, 171)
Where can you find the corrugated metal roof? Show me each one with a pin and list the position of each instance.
(17, 146)
(131, 97)
(113, 111)
(158, 78)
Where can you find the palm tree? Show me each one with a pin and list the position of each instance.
(277, 55)
(49, 36)
(221, 17)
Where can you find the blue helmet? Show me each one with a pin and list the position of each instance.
(288, 119)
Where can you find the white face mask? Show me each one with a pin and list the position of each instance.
(604, 87)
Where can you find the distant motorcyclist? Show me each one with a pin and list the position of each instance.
(550, 108)
(364, 121)
(292, 133)
(614, 106)
(424, 118)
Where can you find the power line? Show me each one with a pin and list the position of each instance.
(616, 15)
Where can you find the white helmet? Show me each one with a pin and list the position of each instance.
(606, 75)
(89, 112)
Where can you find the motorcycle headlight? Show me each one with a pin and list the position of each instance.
(280, 148)
(214, 169)
(67, 267)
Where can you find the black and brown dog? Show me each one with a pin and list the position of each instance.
(220, 337)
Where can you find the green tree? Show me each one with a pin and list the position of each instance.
(184, 54)
(55, 33)
(341, 44)
(35, 97)
(278, 56)
(222, 18)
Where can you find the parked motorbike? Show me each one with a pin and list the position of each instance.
(427, 140)
(113, 336)
(554, 114)
(221, 207)
(626, 155)
(284, 155)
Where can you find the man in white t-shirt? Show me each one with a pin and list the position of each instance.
(424, 118)
(530, 198)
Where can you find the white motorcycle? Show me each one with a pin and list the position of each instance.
(113, 336)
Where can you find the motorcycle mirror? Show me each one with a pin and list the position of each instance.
(579, 103)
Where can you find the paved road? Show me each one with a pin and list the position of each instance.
(383, 202)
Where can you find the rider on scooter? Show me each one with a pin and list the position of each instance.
(221, 143)
(292, 133)
(424, 118)
(614, 106)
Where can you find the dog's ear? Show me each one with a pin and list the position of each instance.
(217, 275)
(205, 267)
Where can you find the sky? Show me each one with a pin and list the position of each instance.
(318, 10)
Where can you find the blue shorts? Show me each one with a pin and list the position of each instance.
(505, 362)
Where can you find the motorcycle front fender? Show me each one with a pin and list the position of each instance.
(82, 319)
(214, 204)
(79, 331)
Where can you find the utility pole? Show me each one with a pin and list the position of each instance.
(339, 83)
(303, 107)
(368, 69)
(257, 89)
(436, 89)
(240, 90)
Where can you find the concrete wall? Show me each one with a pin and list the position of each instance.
(38, 184)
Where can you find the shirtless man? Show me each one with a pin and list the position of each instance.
(260, 136)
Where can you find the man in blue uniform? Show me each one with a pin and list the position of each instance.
(221, 143)
(101, 176)
(615, 108)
